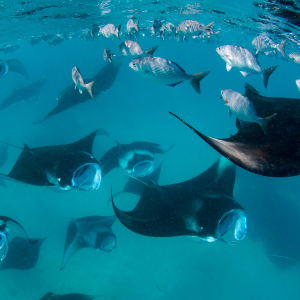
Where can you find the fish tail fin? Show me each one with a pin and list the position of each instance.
(136, 25)
(281, 48)
(217, 34)
(196, 78)
(151, 51)
(117, 31)
(207, 28)
(265, 122)
(266, 74)
(162, 34)
(89, 88)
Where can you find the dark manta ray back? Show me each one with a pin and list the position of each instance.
(202, 207)
(275, 154)
(65, 166)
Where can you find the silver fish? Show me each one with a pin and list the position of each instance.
(132, 27)
(295, 56)
(110, 30)
(243, 59)
(132, 50)
(244, 109)
(167, 29)
(191, 28)
(165, 72)
(9, 48)
(107, 55)
(79, 83)
(264, 44)
(298, 83)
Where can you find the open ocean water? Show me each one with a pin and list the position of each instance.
(136, 109)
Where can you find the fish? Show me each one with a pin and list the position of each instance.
(110, 30)
(35, 41)
(79, 83)
(58, 40)
(165, 71)
(243, 59)
(157, 25)
(202, 208)
(61, 167)
(73, 296)
(133, 27)
(132, 50)
(263, 43)
(244, 110)
(24, 93)
(4, 231)
(9, 48)
(107, 55)
(136, 158)
(168, 30)
(298, 83)
(12, 65)
(189, 28)
(22, 255)
(93, 232)
(295, 57)
(275, 154)
(103, 81)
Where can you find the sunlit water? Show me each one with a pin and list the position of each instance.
(135, 109)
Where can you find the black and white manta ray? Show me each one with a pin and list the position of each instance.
(12, 65)
(65, 166)
(136, 158)
(73, 296)
(21, 255)
(93, 232)
(4, 231)
(275, 154)
(202, 207)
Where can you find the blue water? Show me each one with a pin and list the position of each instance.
(135, 109)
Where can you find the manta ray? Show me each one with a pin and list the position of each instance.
(136, 158)
(63, 166)
(24, 93)
(73, 296)
(103, 80)
(21, 255)
(93, 232)
(12, 65)
(275, 154)
(202, 207)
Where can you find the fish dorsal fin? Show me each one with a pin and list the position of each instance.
(28, 149)
(85, 144)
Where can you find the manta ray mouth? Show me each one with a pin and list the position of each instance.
(3, 68)
(3, 243)
(87, 177)
(236, 218)
(143, 168)
(108, 244)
